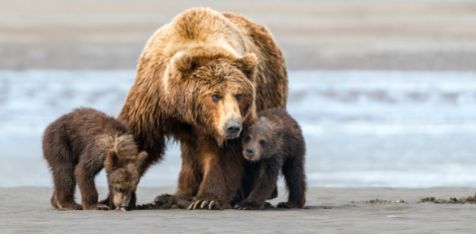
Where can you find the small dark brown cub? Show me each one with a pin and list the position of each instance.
(77, 146)
(274, 143)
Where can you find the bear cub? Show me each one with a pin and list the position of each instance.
(77, 146)
(275, 142)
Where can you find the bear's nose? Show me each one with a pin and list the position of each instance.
(249, 151)
(233, 128)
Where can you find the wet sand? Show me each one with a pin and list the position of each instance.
(317, 34)
(330, 210)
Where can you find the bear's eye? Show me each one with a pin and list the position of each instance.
(247, 138)
(216, 97)
(262, 142)
(239, 97)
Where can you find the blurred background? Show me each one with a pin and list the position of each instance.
(385, 91)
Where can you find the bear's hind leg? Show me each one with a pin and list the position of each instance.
(295, 177)
(65, 183)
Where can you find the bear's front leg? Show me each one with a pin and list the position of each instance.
(212, 188)
(85, 174)
(89, 194)
(222, 172)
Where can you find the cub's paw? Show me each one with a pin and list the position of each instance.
(248, 205)
(205, 205)
(288, 205)
(268, 205)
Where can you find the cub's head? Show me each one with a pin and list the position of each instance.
(123, 166)
(218, 93)
(260, 140)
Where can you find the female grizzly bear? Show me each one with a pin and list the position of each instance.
(274, 143)
(77, 146)
(200, 80)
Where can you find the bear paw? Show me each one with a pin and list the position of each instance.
(288, 205)
(249, 205)
(96, 207)
(205, 205)
(167, 201)
(70, 206)
(268, 205)
(102, 207)
(164, 201)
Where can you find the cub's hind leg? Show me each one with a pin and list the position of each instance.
(293, 170)
(64, 183)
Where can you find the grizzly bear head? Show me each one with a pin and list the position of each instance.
(214, 92)
(261, 140)
(122, 165)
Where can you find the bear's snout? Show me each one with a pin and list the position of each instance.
(250, 154)
(233, 128)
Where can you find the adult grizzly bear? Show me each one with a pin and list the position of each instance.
(200, 79)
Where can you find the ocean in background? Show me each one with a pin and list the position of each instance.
(362, 128)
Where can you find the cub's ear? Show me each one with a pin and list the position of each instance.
(111, 161)
(247, 64)
(185, 63)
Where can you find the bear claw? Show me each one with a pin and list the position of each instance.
(204, 204)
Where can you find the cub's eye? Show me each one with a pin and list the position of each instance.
(262, 142)
(239, 97)
(216, 97)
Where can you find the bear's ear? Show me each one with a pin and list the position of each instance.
(185, 63)
(141, 157)
(247, 64)
(111, 160)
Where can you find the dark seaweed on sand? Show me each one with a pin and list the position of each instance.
(451, 200)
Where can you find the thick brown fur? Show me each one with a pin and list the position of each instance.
(78, 145)
(198, 75)
(274, 143)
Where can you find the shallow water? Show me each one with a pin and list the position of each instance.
(362, 128)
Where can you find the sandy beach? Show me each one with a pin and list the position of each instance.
(317, 34)
(330, 210)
